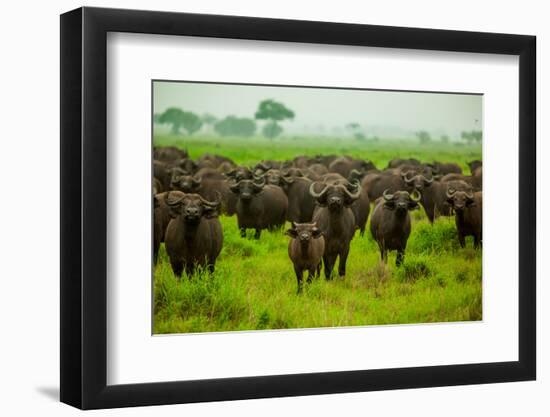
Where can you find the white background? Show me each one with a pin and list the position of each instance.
(134, 356)
(30, 263)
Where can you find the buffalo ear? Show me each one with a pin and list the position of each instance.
(210, 212)
(317, 233)
(470, 202)
(322, 200)
(291, 233)
(390, 205)
(413, 204)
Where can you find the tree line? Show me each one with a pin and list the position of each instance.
(270, 111)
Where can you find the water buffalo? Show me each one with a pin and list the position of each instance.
(157, 186)
(317, 170)
(468, 209)
(473, 165)
(305, 250)
(325, 160)
(161, 218)
(390, 223)
(344, 165)
(161, 172)
(397, 162)
(259, 206)
(434, 199)
(444, 168)
(376, 183)
(263, 166)
(302, 161)
(335, 219)
(168, 153)
(194, 235)
(475, 181)
(300, 203)
(361, 206)
(211, 160)
(207, 186)
(239, 173)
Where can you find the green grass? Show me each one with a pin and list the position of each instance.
(254, 286)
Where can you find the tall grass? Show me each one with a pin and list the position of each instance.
(254, 286)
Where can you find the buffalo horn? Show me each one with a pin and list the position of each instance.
(357, 192)
(415, 196)
(406, 178)
(317, 195)
(173, 201)
(212, 204)
(258, 185)
(386, 195)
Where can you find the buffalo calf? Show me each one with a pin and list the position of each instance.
(305, 250)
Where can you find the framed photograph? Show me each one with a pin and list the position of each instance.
(257, 208)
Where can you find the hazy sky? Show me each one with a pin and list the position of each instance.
(402, 111)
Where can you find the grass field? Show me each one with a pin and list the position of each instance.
(254, 286)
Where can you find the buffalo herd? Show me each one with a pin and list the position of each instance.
(326, 199)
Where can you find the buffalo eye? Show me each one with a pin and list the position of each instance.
(291, 233)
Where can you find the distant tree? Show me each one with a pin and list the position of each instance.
(471, 136)
(272, 130)
(445, 139)
(209, 120)
(273, 112)
(356, 131)
(234, 126)
(478, 135)
(191, 122)
(172, 116)
(423, 136)
(180, 119)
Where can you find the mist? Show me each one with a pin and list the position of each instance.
(386, 114)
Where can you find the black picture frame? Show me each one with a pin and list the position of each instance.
(84, 207)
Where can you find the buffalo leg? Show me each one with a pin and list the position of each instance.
(177, 267)
(257, 234)
(477, 241)
(329, 261)
(318, 270)
(342, 263)
(311, 274)
(328, 266)
(243, 232)
(461, 240)
(299, 275)
(383, 253)
(189, 269)
(400, 257)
